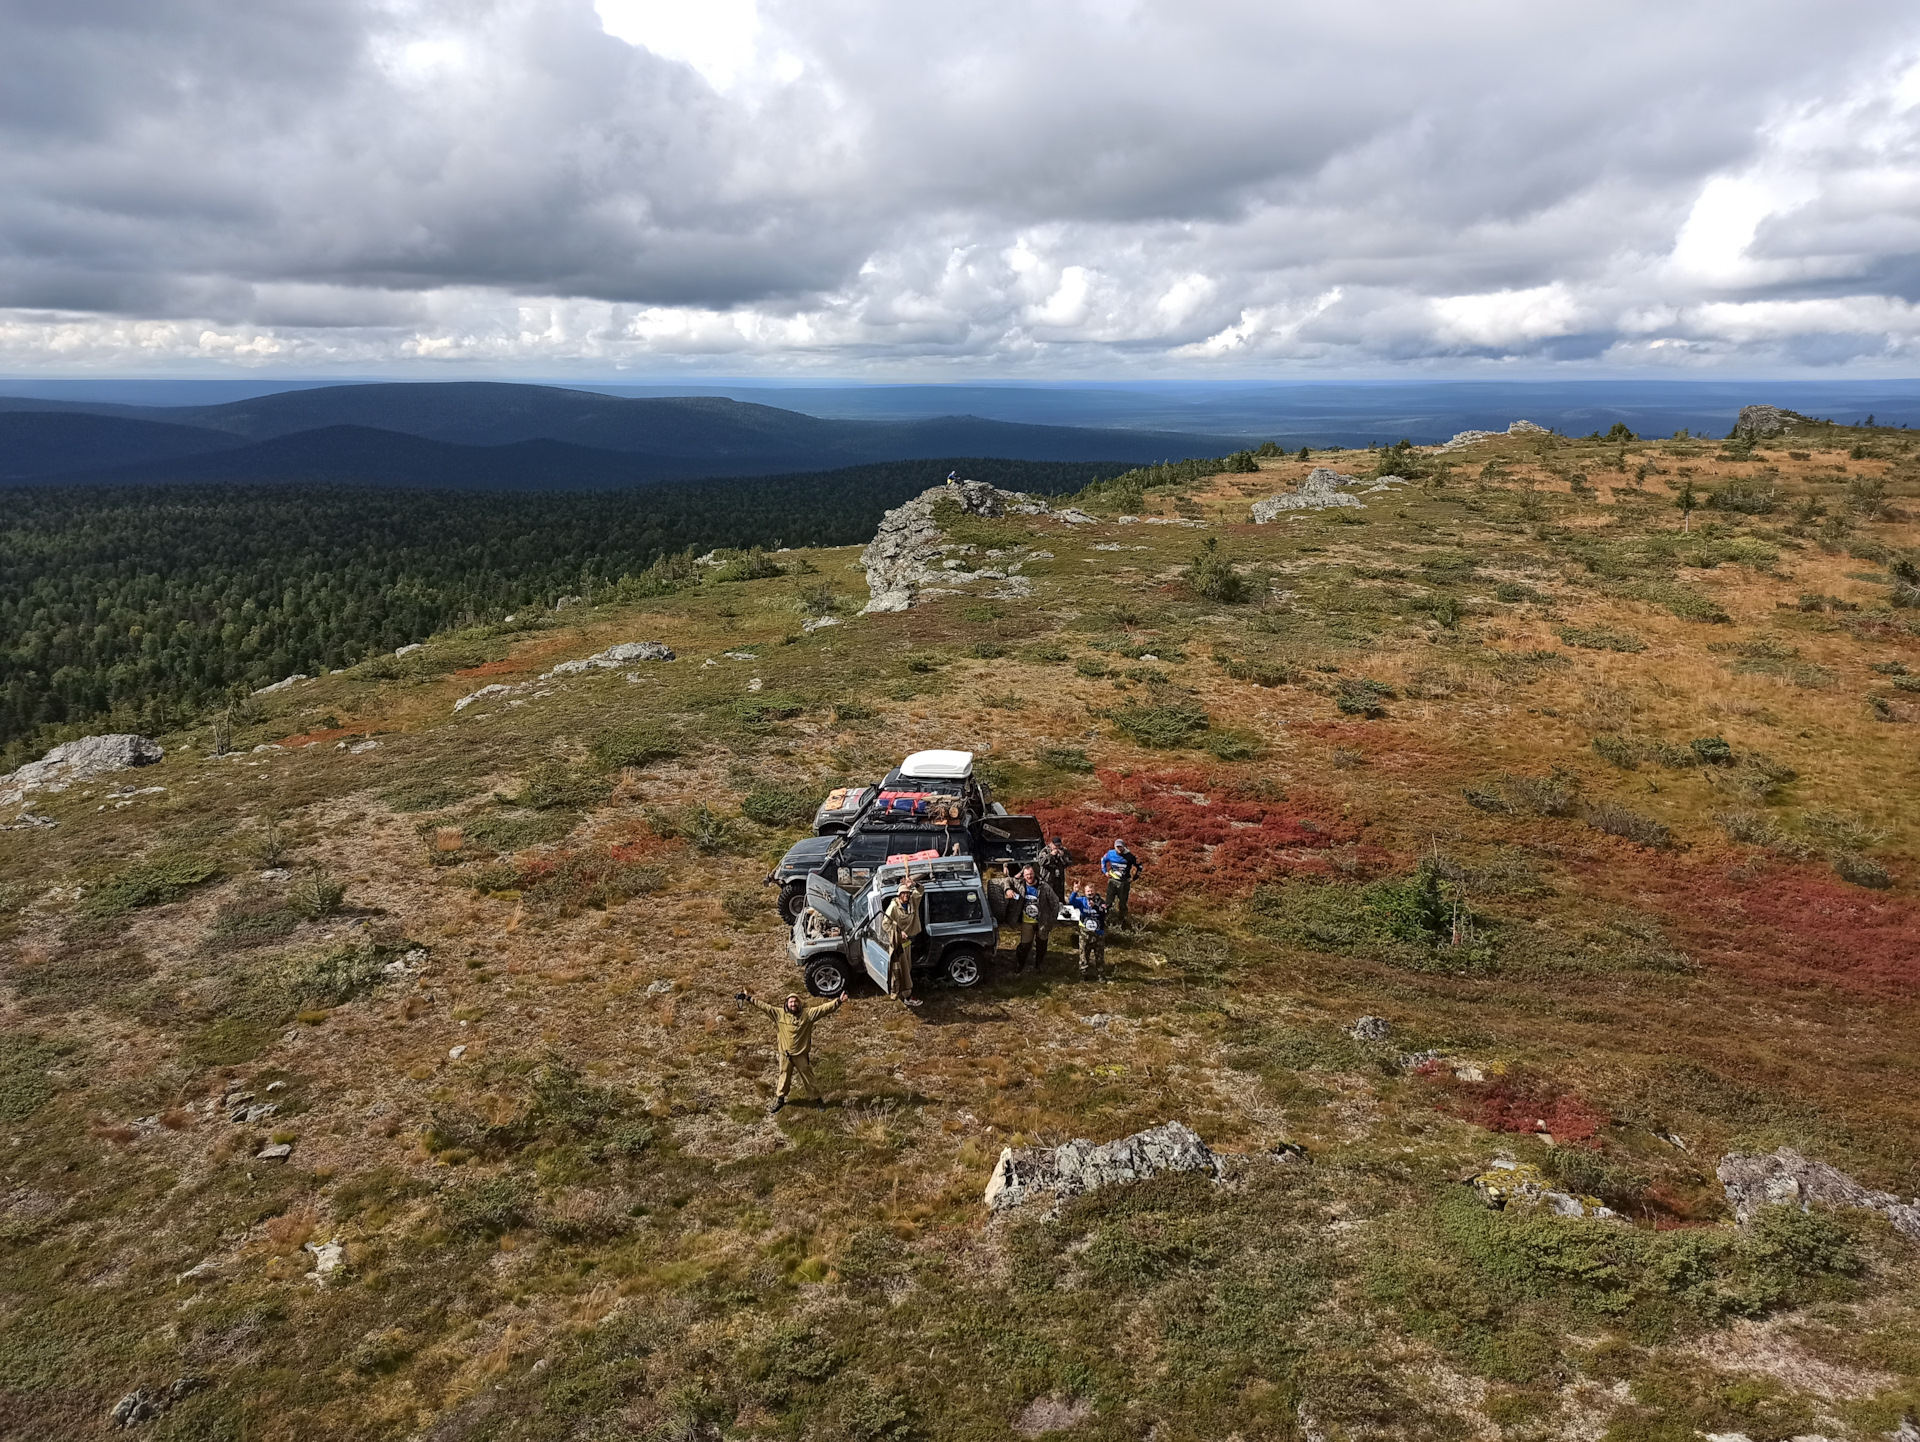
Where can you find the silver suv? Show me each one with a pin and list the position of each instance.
(836, 936)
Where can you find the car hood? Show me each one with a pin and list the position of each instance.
(809, 851)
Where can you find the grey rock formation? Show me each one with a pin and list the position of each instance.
(1080, 1166)
(1371, 1028)
(901, 557)
(1320, 490)
(1467, 438)
(1527, 428)
(613, 658)
(282, 685)
(1786, 1178)
(76, 761)
(1758, 422)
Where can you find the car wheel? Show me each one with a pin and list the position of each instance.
(793, 901)
(827, 978)
(963, 966)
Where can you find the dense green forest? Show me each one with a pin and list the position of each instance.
(143, 606)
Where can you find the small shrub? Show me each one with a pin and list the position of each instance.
(1843, 829)
(763, 710)
(316, 895)
(160, 877)
(1597, 639)
(639, 743)
(1358, 696)
(1212, 577)
(700, 826)
(1618, 751)
(554, 784)
(1160, 725)
(1550, 795)
(1047, 653)
(488, 1208)
(1629, 825)
(988, 651)
(1861, 870)
(1712, 750)
(779, 805)
(1065, 758)
(1232, 745)
(334, 977)
(1092, 667)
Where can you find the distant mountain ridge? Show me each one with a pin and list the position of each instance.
(494, 435)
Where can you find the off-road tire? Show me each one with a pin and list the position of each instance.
(793, 901)
(828, 978)
(964, 966)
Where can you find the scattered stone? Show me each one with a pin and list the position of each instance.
(328, 1258)
(29, 821)
(75, 761)
(566, 601)
(659, 988)
(409, 649)
(1074, 516)
(199, 1270)
(1757, 422)
(1510, 1185)
(456, 1053)
(1079, 1166)
(740, 655)
(282, 685)
(136, 1407)
(900, 558)
(278, 1152)
(818, 623)
(625, 654)
(1371, 1028)
(1319, 491)
(1099, 1021)
(755, 684)
(1052, 1413)
(360, 748)
(1786, 1178)
(496, 689)
(276, 1086)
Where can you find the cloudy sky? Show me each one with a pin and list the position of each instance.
(909, 190)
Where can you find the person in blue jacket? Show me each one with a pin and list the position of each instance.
(1120, 866)
(1092, 931)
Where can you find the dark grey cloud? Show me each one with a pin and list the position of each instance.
(1068, 185)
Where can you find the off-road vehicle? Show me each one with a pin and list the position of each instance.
(837, 937)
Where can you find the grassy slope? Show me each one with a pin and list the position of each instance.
(584, 1226)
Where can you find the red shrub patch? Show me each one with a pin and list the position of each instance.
(1195, 838)
(1788, 925)
(1518, 1103)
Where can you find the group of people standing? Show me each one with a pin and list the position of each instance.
(1030, 899)
(1034, 898)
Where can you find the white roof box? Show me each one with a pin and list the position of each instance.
(939, 765)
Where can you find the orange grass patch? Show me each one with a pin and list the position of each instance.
(309, 738)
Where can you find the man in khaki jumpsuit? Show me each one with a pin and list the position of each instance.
(902, 918)
(794, 1041)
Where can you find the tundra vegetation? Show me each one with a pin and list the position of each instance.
(1606, 808)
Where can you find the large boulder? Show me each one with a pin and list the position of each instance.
(900, 558)
(76, 761)
(1320, 490)
(1758, 422)
(1027, 1173)
(614, 657)
(1786, 1178)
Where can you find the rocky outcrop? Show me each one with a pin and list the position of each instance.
(77, 761)
(1759, 422)
(1518, 428)
(1025, 1174)
(1786, 1178)
(1320, 490)
(614, 657)
(900, 558)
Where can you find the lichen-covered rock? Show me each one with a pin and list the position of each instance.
(1758, 422)
(614, 657)
(1026, 1173)
(1317, 492)
(1371, 1028)
(1786, 1178)
(900, 558)
(76, 761)
(1510, 1186)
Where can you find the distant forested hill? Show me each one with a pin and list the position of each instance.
(144, 605)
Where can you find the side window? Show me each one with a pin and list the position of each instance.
(951, 906)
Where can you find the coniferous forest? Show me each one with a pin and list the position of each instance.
(140, 607)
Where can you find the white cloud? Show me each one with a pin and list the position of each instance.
(1006, 187)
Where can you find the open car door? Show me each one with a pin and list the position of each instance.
(875, 956)
(1015, 840)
